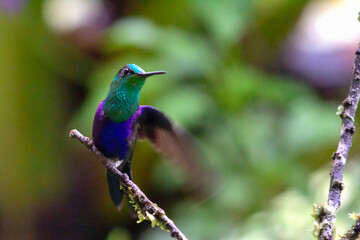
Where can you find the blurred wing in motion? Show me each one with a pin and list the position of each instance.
(173, 142)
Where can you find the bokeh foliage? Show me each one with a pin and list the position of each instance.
(267, 137)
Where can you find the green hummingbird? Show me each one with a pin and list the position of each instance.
(119, 121)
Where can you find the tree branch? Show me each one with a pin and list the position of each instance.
(145, 209)
(325, 215)
(354, 231)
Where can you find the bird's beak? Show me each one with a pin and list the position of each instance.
(148, 74)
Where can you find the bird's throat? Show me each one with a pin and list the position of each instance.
(119, 106)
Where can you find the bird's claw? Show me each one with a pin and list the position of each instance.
(117, 163)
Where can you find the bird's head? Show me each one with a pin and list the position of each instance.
(123, 96)
(131, 78)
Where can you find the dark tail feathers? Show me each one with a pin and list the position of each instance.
(116, 193)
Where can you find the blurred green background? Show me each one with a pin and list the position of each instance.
(257, 82)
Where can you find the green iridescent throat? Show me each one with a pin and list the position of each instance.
(122, 100)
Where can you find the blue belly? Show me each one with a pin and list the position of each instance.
(114, 139)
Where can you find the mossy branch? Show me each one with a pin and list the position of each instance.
(354, 232)
(325, 214)
(145, 209)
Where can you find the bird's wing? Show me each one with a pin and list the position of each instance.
(172, 141)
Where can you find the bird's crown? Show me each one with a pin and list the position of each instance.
(129, 70)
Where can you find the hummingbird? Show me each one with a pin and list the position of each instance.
(120, 121)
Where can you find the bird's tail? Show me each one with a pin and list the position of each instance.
(116, 193)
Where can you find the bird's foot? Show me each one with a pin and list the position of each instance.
(117, 163)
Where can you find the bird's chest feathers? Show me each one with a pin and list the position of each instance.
(121, 105)
(115, 138)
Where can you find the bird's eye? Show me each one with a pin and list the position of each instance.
(126, 71)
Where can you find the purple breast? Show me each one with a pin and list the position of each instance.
(111, 138)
